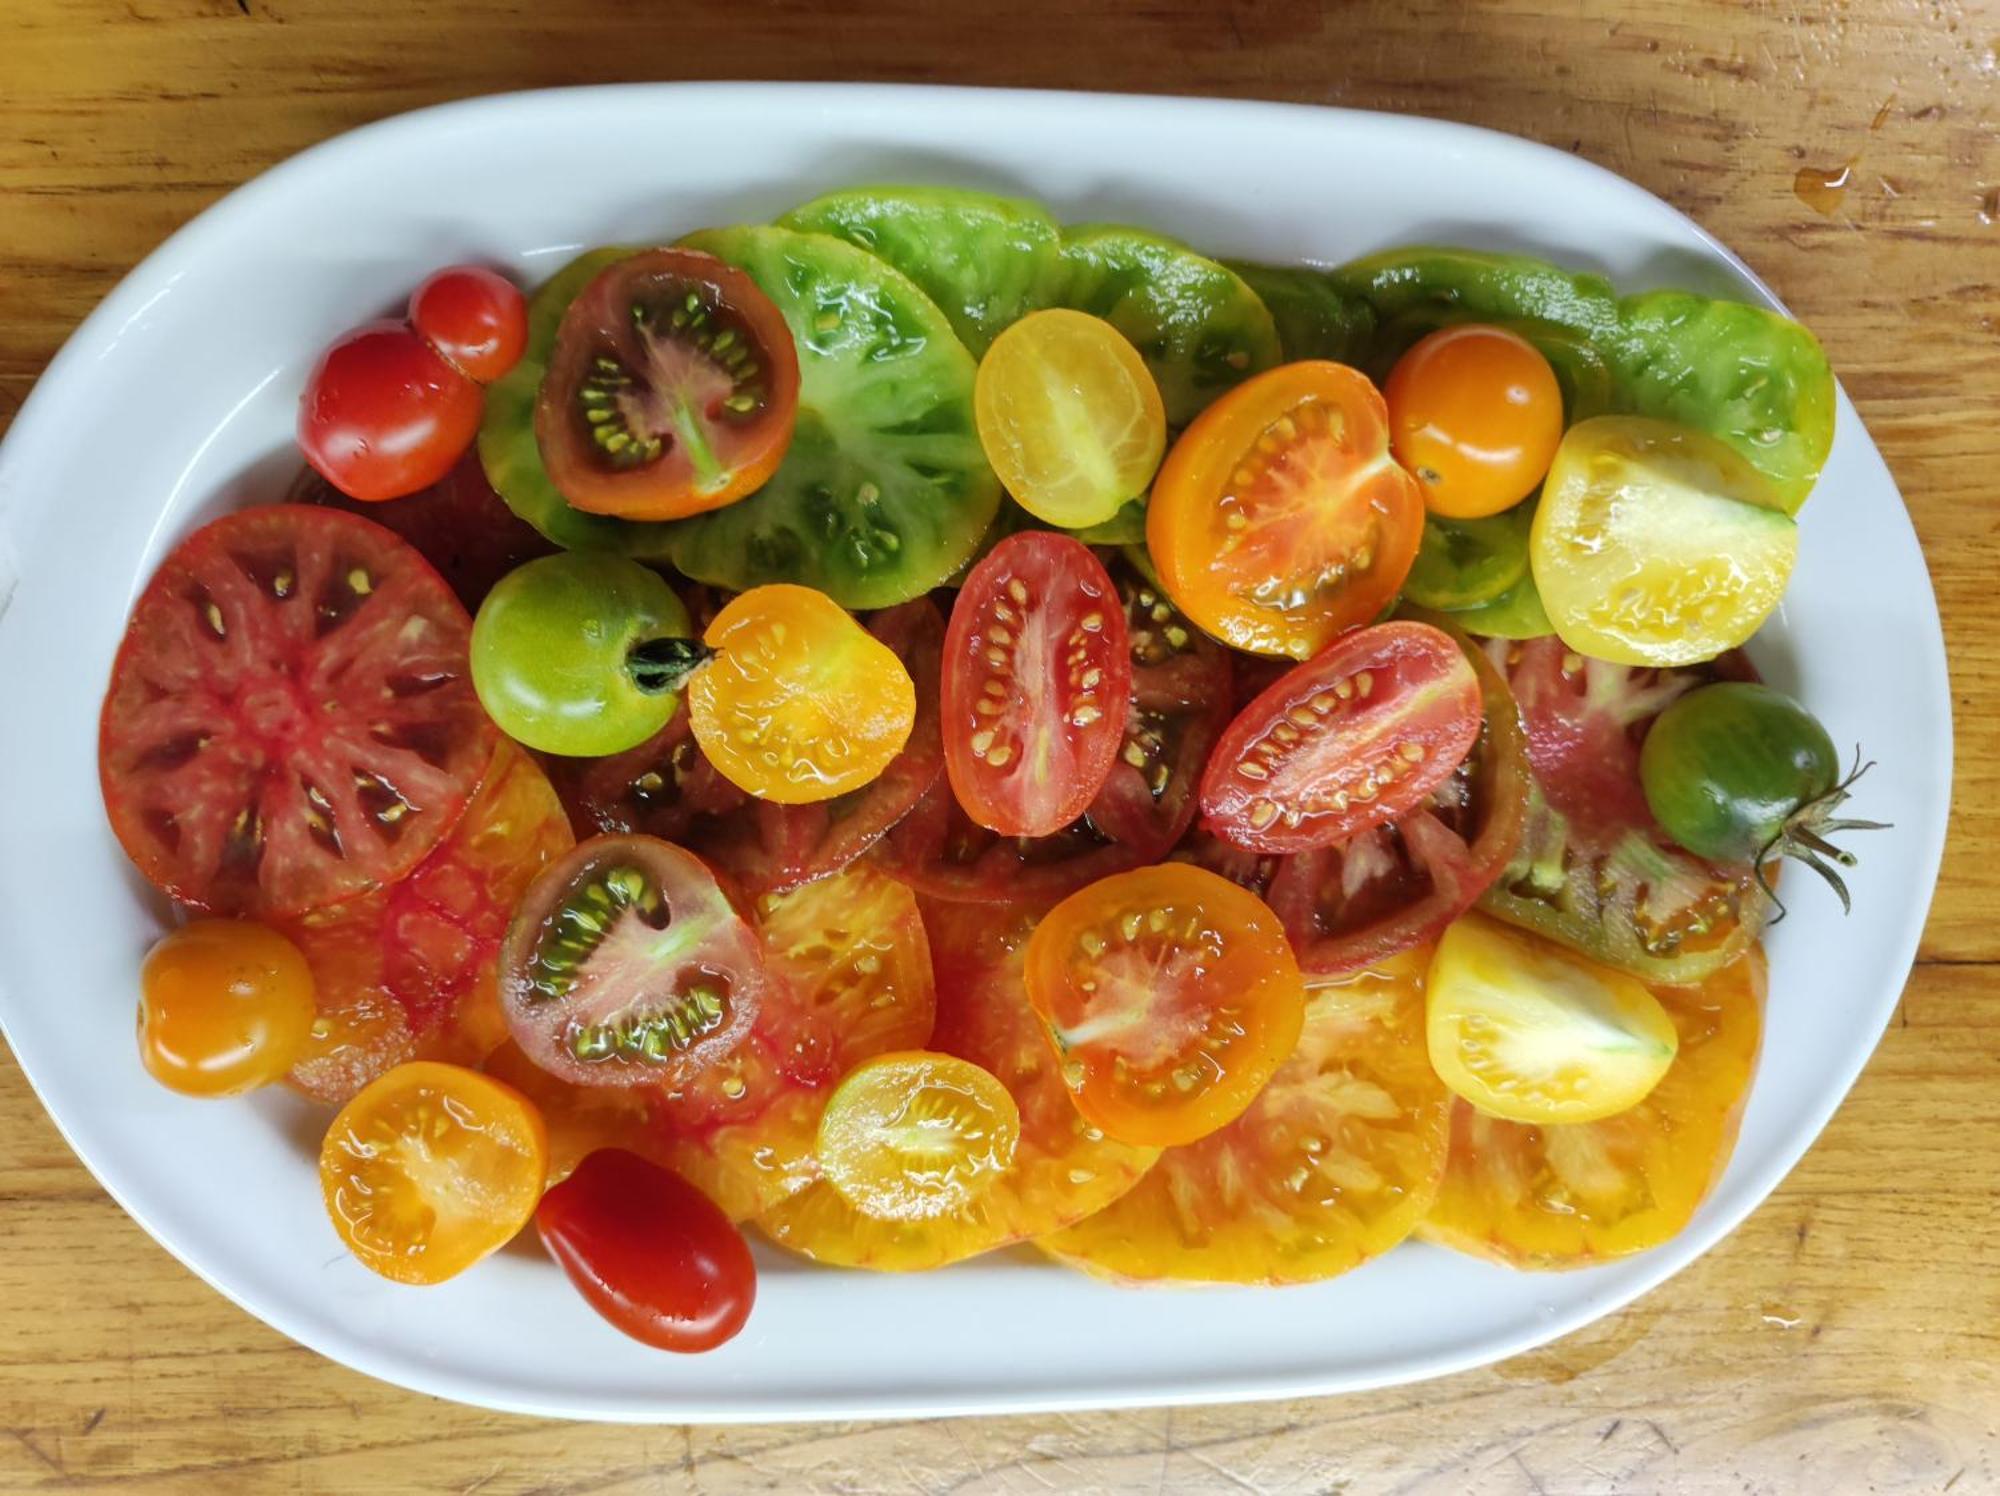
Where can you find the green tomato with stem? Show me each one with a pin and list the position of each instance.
(582, 654)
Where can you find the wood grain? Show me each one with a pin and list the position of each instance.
(1843, 1340)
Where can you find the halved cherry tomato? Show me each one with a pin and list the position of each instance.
(1354, 738)
(913, 1135)
(1335, 1162)
(291, 720)
(626, 964)
(1069, 417)
(475, 317)
(430, 1169)
(1564, 1196)
(1181, 692)
(1064, 1168)
(1279, 518)
(1037, 671)
(851, 978)
(224, 1007)
(649, 1252)
(1170, 996)
(800, 703)
(384, 414)
(409, 971)
(672, 389)
(1475, 413)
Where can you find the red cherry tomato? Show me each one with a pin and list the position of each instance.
(649, 1251)
(1037, 675)
(476, 318)
(384, 414)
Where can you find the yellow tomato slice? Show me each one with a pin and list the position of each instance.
(1529, 1031)
(913, 1136)
(1069, 417)
(1566, 1196)
(1335, 1162)
(430, 1168)
(1657, 544)
(800, 703)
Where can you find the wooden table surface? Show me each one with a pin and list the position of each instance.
(1843, 1340)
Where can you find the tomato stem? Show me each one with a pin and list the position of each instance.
(1804, 839)
(661, 665)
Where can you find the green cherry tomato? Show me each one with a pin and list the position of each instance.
(1737, 771)
(581, 655)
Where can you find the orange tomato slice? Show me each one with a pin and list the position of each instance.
(1566, 1196)
(1064, 1169)
(579, 1119)
(1335, 1162)
(1279, 519)
(431, 1168)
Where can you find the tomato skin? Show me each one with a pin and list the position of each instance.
(1037, 672)
(1475, 413)
(1279, 519)
(226, 1007)
(384, 414)
(649, 1252)
(475, 317)
(1353, 738)
(1169, 996)
(1727, 766)
(657, 435)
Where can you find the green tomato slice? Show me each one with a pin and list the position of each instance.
(1313, 316)
(885, 491)
(1516, 614)
(1467, 563)
(986, 261)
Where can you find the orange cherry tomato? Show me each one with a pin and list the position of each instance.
(1476, 414)
(225, 1006)
(431, 1168)
(1171, 996)
(800, 703)
(1280, 519)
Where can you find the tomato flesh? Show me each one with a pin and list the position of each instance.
(1354, 738)
(1037, 669)
(626, 964)
(649, 1252)
(384, 414)
(672, 388)
(1170, 996)
(941, 853)
(915, 1136)
(290, 720)
(1279, 519)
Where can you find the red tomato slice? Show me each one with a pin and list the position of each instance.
(1593, 870)
(1352, 907)
(291, 720)
(1354, 738)
(1037, 669)
(407, 972)
(1180, 703)
(1063, 1168)
(672, 389)
(940, 853)
(458, 524)
(626, 964)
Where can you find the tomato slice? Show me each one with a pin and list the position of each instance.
(1593, 870)
(626, 964)
(1170, 996)
(1181, 692)
(672, 388)
(914, 1136)
(1355, 737)
(942, 854)
(1351, 907)
(649, 1252)
(579, 1119)
(1037, 667)
(1064, 1169)
(1335, 1162)
(430, 1169)
(408, 972)
(1564, 1196)
(1279, 519)
(291, 720)
(851, 978)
